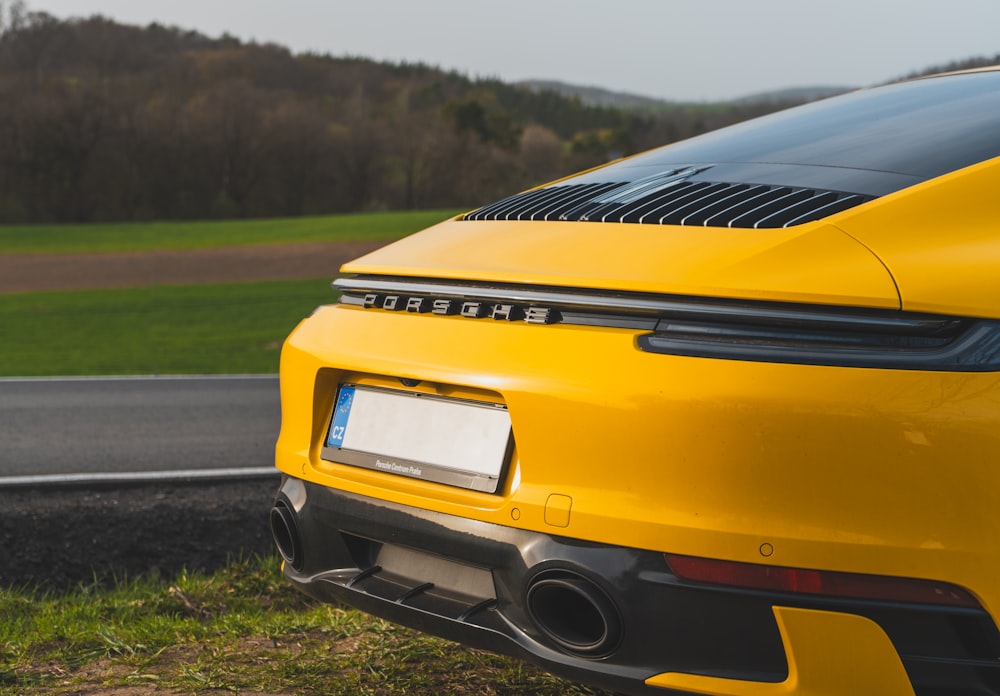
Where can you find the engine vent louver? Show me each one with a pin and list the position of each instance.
(673, 200)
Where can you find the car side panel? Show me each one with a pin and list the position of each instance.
(940, 241)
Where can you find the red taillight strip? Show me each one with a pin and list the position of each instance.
(819, 582)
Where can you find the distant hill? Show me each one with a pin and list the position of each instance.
(794, 95)
(966, 64)
(596, 96)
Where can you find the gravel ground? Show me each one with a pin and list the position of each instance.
(57, 538)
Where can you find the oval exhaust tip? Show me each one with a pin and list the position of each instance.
(286, 535)
(574, 613)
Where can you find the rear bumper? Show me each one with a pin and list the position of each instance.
(615, 616)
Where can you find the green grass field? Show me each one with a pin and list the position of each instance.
(146, 236)
(241, 630)
(231, 328)
(197, 329)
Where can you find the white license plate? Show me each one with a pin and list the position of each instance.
(459, 443)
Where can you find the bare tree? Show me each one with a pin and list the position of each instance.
(16, 16)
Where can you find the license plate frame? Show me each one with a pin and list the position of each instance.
(456, 442)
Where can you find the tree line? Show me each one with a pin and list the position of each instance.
(101, 121)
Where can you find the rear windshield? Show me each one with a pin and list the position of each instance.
(921, 129)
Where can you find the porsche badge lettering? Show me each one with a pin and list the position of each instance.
(472, 309)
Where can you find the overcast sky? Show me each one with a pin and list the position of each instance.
(672, 49)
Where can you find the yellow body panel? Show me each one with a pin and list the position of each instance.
(940, 240)
(833, 468)
(809, 263)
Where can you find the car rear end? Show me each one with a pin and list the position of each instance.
(676, 425)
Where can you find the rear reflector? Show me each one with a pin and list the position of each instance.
(819, 582)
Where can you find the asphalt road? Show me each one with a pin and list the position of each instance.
(137, 424)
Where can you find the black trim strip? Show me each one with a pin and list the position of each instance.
(363, 575)
(414, 592)
(477, 608)
(748, 330)
(974, 350)
(649, 304)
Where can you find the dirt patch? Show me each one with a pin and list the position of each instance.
(165, 667)
(33, 272)
(58, 538)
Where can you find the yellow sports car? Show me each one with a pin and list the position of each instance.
(720, 418)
